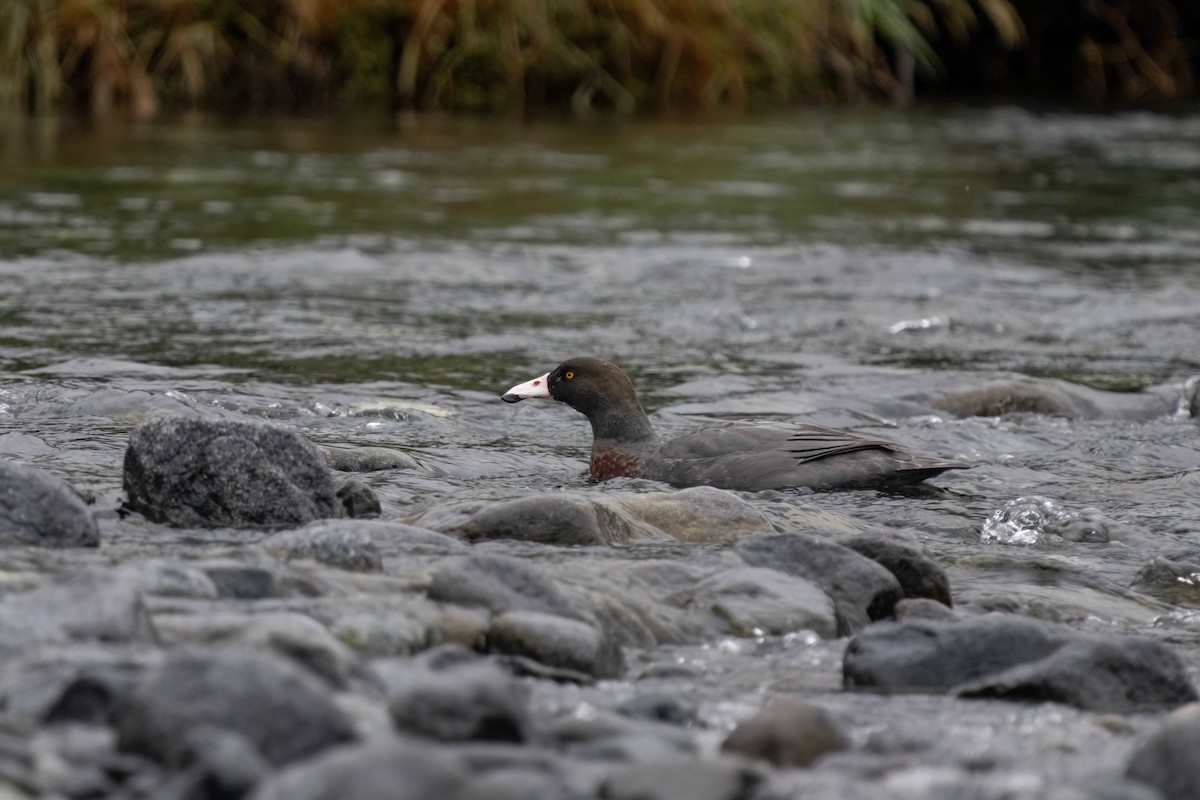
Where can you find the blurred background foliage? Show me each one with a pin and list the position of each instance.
(142, 56)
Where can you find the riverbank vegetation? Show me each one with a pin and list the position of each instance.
(143, 56)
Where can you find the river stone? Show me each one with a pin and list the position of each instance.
(1167, 758)
(518, 783)
(160, 578)
(608, 737)
(282, 710)
(756, 600)
(555, 642)
(697, 514)
(1017, 658)
(683, 779)
(660, 707)
(390, 770)
(358, 500)
(787, 732)
(40, 509)
(918, 574)
(455, 699)
(1118, 674)
(337, 543)
(257, 576)
(924, 608)
(294, 635)
(560, 518)
(500, 583)
(195, 472)
(933, 656)
(220, 764)
(95, 605)
(862, 590)
(77, 682)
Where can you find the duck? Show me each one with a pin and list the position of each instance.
(744, 456)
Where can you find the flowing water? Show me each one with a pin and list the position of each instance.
(381, 284)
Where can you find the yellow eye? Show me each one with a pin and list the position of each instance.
(569, 375)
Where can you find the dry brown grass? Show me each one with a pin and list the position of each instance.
(476, 55)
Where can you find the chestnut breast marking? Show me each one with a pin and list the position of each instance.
(609, 462)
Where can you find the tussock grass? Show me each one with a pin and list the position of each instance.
(474, 55)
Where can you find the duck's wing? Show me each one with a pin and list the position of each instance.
(770, 456)
(801, 443)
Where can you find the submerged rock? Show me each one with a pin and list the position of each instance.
(697, 514)
(862, 590)
(195, 472)
(366, 459)
(1023, 394)
(563, 518)
(1016, 658)
(38, 508)
(283, 711)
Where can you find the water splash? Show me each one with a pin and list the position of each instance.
(1031, 519)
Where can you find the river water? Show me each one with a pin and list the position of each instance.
(381, 283)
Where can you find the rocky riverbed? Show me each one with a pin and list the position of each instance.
(247, 626)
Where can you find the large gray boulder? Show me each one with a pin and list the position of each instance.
(195, 472)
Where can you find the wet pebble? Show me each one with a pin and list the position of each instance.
(91, 605)
(455, 696)
(501, 583)
(1166, 760)
(918, 574)
(1017, 658)
(683, 779)
(753, 601)
(862, 590)
(396, 770)
(278, 708)
(556, 642)
(337, 543)
(787, 732)
(41, 509)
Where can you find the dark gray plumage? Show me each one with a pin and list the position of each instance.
(741, 455)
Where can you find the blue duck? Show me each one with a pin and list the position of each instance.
(749, 456)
